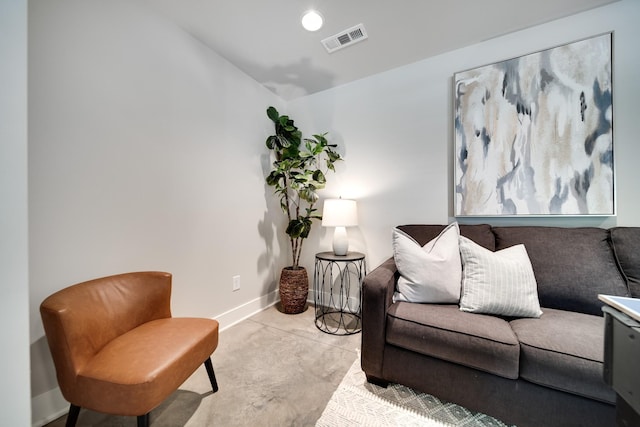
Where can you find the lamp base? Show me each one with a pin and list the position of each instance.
(340, 241)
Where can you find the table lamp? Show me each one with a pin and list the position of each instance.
(340, 213)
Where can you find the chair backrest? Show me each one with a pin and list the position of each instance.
(81, 319)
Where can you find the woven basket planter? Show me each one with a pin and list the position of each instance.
(294, 289)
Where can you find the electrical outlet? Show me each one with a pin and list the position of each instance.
(236, 283)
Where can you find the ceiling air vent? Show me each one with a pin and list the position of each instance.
(345, 38)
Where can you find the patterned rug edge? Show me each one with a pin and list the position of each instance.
(357, 403)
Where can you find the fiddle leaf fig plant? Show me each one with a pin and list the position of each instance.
(298, 171)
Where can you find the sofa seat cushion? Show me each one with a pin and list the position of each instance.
(135, 372)
(564, 350)
(475, 340)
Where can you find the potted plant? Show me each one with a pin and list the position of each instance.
(298, 171)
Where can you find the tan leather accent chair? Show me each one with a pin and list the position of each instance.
(116, 347)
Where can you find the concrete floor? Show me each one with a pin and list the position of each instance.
(273, 369)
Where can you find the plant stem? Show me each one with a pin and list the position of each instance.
(299, 252)
(286, 198)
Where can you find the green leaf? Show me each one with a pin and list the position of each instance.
(272, 113)
(319, 177)
(299, 228)
(321, 139)
(296, 228)
(283, 142)
(308, 196)
(270, 142)
(307, 228)
(333, 156)
(274, 178)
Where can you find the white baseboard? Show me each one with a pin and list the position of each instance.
(50, 405)
(240, 313)
(47, 407)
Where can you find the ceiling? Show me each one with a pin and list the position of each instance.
(264, 38)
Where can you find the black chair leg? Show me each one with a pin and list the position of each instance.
(212, 375)
(143, 420)
(72, 418)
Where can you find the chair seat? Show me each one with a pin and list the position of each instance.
(138, 370)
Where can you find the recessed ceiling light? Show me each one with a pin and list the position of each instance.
(312, 20)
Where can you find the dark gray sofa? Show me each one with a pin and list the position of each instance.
(528, 372)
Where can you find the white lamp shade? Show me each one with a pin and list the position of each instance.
(339, 213)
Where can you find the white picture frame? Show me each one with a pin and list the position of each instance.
(534, 134)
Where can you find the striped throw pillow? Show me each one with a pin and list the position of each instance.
(500, 283)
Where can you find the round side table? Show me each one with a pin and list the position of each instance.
(337, 286)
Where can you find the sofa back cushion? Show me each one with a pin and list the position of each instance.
(480, 233)
(626, 245)
(572, 265)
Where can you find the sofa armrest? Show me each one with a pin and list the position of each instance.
(377, 296)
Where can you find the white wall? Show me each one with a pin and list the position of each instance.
(396, 131)
(146, 152)
(14, 273)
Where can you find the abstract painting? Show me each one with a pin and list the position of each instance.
(534, 134)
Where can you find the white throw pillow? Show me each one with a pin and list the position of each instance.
(499, 282)
(431, 273)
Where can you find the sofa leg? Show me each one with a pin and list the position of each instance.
(72, 418)
(143, 420)
(377, 381)
(212, 375)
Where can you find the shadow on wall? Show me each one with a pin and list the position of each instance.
(267, 261)
(294, 80)
(270, 261)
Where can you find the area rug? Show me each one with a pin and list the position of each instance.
(358, 403)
